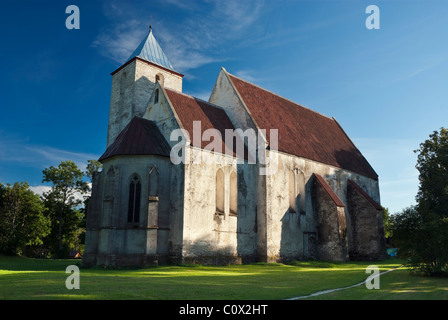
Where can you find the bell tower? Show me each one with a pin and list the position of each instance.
(133, 84)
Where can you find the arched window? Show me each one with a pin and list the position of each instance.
(135, 188)
(292, 192)
(156, 96)
(233, 194)
(219, 194)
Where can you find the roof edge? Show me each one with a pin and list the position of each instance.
(375, 204)
(244, 103)
(337, 201)
(354, 146)
(278, 95)
(148, 62)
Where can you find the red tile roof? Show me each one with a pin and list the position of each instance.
(365, 195)
(190, 109)
(302, 132)
(139, 137)
(337, 201)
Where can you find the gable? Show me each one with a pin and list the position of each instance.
(333, 196)
(302, 132)
(369, 199)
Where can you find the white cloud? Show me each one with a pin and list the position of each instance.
(54, 156)
(119, 42)
(42, 189)
(205, 26)
(247, 75)
(17, 150)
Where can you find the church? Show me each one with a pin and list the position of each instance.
(184, 181)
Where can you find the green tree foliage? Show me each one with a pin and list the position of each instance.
(22, 220)
(387, 221)
(93, 166)
(63, 204)
(432, 164)
(421, 232)
(422, 241)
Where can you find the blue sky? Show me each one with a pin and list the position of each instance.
(386, 87)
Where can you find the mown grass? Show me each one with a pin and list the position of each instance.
(28, 279)
(397, 285)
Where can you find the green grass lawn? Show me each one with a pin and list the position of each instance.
(25, 279)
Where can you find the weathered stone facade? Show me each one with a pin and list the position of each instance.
(146, 209)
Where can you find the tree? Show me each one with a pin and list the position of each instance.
(93, 166)
(387, 221)
(432, 164)
(422, 241)
(421, 232)
(62, 201)
(22, 220)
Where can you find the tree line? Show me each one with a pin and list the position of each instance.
(50, 225)
(420, 232)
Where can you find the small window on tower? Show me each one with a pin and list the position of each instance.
(156, 96)
(159, 78)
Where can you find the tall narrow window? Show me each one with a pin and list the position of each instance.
(233, 194)
(122, 83)
(301, 202)
(219, 194)
(135, 188)
(156, 96)
(292, 192)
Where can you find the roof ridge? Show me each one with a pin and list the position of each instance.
(196, 98)
(279, 96)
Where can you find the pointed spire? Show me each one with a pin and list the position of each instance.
(150, 50)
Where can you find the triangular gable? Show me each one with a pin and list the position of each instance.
(337, 201)
(365, 195)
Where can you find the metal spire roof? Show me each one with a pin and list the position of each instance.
(150, 50)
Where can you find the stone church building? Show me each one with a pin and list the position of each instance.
(320, 200)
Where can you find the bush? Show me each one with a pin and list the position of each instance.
(422, 240)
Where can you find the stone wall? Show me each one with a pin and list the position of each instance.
(132, 87)
(212, 236)
(367, 237)
(111, 239)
